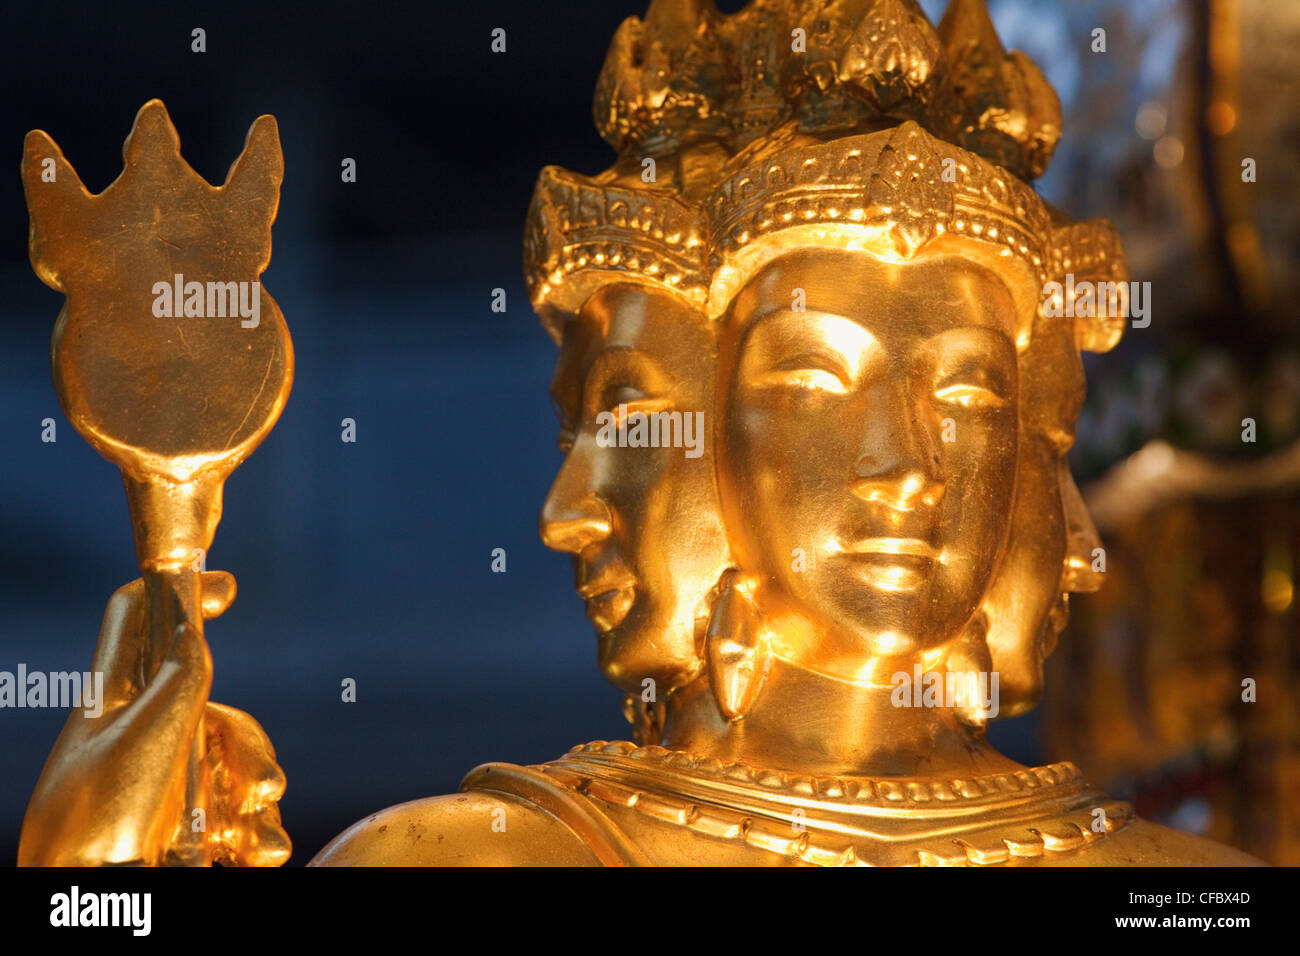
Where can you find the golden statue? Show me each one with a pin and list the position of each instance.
(819, 369)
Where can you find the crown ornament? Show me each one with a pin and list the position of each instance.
(581, 232)
(664, 80)
(863, 59)
(855, 121)
(999, 104)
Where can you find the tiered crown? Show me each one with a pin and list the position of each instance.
(844, 118)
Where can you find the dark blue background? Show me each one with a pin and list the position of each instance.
(367, 560)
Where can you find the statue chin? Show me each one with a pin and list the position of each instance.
(632, 661)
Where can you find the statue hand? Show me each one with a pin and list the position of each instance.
(246, 783)
(113, 788)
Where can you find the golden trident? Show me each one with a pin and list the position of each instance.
(168, 356)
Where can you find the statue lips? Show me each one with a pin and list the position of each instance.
(608, 588)
(892, 564)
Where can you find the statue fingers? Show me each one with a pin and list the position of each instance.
(120, 652)
(172, 704)
(218, 588)
(247, 785)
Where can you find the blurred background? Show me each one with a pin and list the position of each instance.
(373, 560)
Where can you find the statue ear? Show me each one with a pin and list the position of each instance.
(252, 186)
(56, 198)
(737, 650)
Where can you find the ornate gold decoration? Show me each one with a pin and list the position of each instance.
(883, 53)
(736, 121)
(1002, 106)
(846, 820)
(579, 232)
(1091, 252)
(850, 190)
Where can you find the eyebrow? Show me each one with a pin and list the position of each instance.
(961, 334)
(818, 319)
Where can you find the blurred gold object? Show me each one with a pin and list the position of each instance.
(1184, 694)
(174, 364)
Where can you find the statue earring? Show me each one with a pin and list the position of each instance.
(646, 718)
(737, 651)
(972, 663)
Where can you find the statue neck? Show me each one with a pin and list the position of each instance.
(808, 722)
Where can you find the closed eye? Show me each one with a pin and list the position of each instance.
(619, 400)
(807, 372)
(646, 406)
(970, 396)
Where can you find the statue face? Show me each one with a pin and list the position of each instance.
(869, 446)
(641, 522)
(1049, 549)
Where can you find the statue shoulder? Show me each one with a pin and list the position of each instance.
(1159, 845)
(473, 828)
(1143, 843)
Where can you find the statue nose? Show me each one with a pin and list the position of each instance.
(572, 526)
(1084, 542)
(898, 462)
(899, 489)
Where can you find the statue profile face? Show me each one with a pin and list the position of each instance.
(1049, 550)
(642, 523)
(868, 447)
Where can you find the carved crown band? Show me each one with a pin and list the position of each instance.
(901, 187)
(581, 235)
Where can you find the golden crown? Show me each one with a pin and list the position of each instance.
(845, 118)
